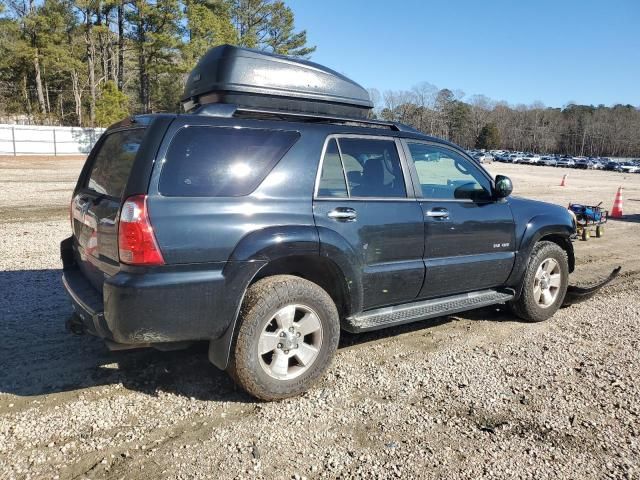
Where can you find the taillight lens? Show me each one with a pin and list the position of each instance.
(136, 241)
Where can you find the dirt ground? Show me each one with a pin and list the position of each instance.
(474, 395)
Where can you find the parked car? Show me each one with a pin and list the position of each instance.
(548, 161)
(484, 157)
(266, 225)
(629, 167)
(501, 157)
(566, 162)
(612, 166)
(515, 158)
(584, 164)
(530, 158)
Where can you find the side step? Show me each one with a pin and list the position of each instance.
(412, 312)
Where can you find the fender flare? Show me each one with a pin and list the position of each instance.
(252, 254)
(537, 228)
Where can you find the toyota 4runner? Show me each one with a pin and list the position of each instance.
(275, 213)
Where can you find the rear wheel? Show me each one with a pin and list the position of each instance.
(599, 231)
(545, 283)
(288, 334)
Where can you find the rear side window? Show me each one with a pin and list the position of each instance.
(371, 167)
(113, 161)
(332, 182)
(221, 162)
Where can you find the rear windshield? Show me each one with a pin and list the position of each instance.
(113, 161)
(221, 162)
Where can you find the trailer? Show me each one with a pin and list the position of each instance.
(589, 219)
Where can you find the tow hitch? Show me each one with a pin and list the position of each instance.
(577, 294)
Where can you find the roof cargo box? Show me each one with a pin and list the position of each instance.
(252, 79)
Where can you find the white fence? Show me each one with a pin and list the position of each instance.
(35, 140)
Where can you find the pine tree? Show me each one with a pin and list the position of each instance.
(156, 33)
(112, 104)
(208, 25)
(268, 25)
(489, 137)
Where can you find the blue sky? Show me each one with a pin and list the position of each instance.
(519, 51)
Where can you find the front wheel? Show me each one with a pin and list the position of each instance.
(289, 331)
(545, 283)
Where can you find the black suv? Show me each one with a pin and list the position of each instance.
(273, 215)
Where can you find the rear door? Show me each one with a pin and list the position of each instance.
(95, 206)
(362, 202)
(469, 236)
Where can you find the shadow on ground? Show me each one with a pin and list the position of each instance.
(39, 357)
(635, 218)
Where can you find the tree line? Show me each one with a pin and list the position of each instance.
(92, 62)
(477, 121)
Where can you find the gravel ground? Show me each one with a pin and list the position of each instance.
(473, 395)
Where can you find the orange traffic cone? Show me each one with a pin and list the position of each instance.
(564, 180)
(616, 211)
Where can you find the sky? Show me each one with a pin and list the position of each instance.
(555, 52)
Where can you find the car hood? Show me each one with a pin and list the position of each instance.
(525, 208)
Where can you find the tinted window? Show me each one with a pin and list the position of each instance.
(372, 167)
(445, 174)
(113, 161)
(225, 162)
(332, 183)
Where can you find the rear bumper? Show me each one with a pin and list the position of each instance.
(154, 307)
(86, 302)
(160, 305)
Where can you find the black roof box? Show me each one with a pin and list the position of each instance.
(253, 79)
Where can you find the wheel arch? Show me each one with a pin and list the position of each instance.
(279, 251)
(537, 229)
(317, 269)
(565, 243)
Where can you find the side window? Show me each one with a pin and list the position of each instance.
(221, 161)
(332, 182)
(445, 174)
(372, 168)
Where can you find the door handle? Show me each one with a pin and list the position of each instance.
(343, 214)
(438, 213)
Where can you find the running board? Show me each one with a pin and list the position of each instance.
(412, 312)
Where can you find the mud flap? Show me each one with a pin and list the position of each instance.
(580, 294)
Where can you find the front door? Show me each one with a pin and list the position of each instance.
(362, 207)
(469, 236)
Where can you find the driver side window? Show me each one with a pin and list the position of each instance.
(446, 175)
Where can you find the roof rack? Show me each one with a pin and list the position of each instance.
(227, 110)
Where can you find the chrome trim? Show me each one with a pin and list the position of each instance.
(342, 215)
(438, 214)
(367, 199)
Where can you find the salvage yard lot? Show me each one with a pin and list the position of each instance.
(470, 395)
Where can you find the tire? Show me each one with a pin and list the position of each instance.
(528, 306)
(599, 231)
(266, 321)
(585, 234)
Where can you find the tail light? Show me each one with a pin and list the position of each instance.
(136, 241)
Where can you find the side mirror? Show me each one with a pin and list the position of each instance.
(503, 186)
